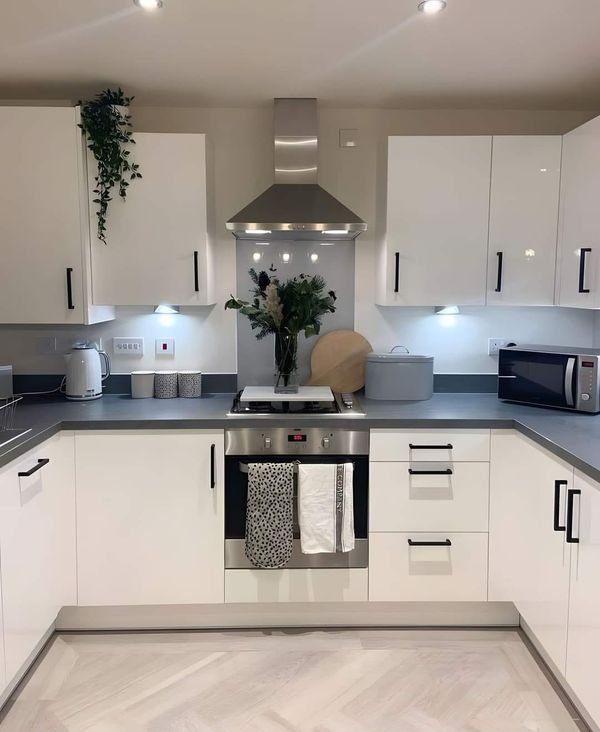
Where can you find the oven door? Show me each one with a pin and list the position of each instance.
(236, 496)
(532, 377)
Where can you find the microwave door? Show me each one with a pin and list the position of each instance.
(537, 378)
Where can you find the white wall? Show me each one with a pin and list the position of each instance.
(241, 167)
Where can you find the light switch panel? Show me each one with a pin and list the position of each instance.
(128, 346)
(165, 347)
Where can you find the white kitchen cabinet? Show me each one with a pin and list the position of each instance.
(430, 445)
(150, 517)
(523, 219)
(429, 496)
(417, 567)
(583, 647)
(578, 280)
(37, 545)
(44, 277)
(157, 248)
(529, 558)
(435, 246)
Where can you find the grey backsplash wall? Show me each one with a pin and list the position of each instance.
(242, 147)
(335, 262)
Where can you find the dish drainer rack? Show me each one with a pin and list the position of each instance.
(8, 408)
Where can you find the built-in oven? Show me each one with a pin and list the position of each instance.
(550, 376)
(299, 445)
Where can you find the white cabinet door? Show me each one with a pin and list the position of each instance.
(40, 224)
(37, 545)
(583, 647)
(157, 247)
(437, 221)
(578, 282)
(149, 518)
(523, 219)
(529, 559)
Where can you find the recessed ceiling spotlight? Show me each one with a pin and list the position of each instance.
(431, 7)
(148, 4)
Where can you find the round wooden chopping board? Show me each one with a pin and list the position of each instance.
(338, 360)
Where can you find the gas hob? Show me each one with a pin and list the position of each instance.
(309, 401)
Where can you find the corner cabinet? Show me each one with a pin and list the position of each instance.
(37, 546)
(524, 196)
(157, 249)
(150, 517)
(578, 281)
(529, 557)
(45, 274)
(435, 248)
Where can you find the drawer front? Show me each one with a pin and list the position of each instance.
(427, 500)
(399, 572)
(430, 445)
(296, 585)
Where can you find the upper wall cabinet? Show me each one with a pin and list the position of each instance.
(523, 219)
(578, 281)
(44, 277)
(157, 247)
(435, 249)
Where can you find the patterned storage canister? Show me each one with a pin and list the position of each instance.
(190, 384)
(165, 384)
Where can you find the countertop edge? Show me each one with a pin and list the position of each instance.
(44, 432)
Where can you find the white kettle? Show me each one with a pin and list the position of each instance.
(84, 372)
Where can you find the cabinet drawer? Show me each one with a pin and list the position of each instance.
(296, 585)
(399, 572)
(430, 445)
(426, 500)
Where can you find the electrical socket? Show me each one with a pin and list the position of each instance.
(495, 344)
(128, 346)
(64, 344)
(165, 347)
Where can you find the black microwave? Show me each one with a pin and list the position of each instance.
(550, 376)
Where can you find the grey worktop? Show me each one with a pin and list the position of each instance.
(574, 437)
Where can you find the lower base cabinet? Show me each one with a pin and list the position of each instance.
(150, 517)
(296, 585)
(422, 567)
(583, 648)
(37, 545)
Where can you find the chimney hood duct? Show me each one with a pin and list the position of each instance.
(295, 206)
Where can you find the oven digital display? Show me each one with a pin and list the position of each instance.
(587, 364)
(296, 438)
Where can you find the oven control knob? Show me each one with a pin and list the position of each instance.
(585, 397)
(267, 443)
(326, 443)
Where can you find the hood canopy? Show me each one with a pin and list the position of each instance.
(295, 206)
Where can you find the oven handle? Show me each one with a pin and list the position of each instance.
(569, 395)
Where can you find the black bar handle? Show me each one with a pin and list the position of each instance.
(500, 256)
(196, 279)
(213, 476)
(448, 471)
(397, 272)
(570, 500)
(431, 447)
(70, 304)
(40, 464)
(447, 542)
(557, 486)
(584, 251)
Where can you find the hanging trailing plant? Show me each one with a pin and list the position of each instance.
(107, 126)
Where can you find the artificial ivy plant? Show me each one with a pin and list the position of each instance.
(107, 126)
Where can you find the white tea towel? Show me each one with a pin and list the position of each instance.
(326, 508)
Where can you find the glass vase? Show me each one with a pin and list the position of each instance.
(286, 363)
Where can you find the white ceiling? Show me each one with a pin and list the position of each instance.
(477, 53)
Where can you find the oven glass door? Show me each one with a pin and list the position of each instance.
(547, 379)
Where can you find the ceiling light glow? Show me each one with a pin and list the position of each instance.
(148, 4)
(431, 7)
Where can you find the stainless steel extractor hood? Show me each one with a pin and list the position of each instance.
(295, 206)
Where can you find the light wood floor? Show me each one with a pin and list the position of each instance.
(268, 681)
